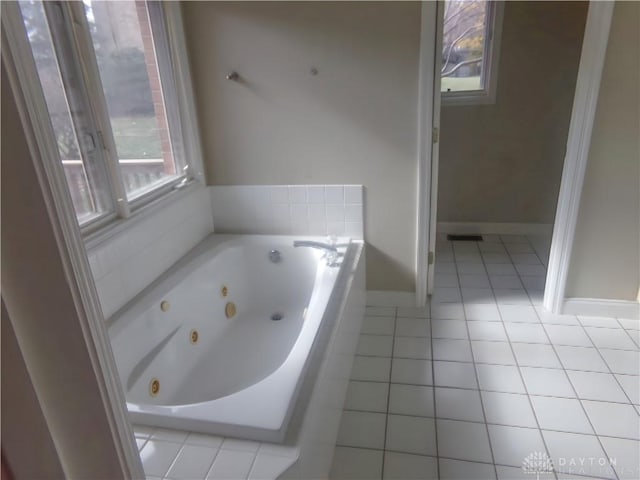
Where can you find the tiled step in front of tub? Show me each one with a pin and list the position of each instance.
(176, 454)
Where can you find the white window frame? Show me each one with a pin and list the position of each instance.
(493, 35)
(125, 212)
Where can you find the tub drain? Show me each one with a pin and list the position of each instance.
(276, 316)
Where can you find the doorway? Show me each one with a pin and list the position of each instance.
(501, 135)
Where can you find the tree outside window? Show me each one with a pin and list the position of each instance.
(464, 45)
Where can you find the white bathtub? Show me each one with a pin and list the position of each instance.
(242, 375)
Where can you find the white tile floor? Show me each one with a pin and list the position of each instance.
(485, 377)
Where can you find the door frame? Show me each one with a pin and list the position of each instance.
(594, 48)
(427, 189)
(585, 102)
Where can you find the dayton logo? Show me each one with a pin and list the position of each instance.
(537, 462)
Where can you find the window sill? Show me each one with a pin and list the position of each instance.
(104, 234)
(467, 99)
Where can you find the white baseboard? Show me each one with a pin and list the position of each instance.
(495, 228)
(601, 307)
(383, 298)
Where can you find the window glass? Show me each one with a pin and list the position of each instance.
(126, 56)
(463, 45)
(89, 198)
(105, 70)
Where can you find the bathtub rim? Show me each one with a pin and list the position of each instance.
(214, 242)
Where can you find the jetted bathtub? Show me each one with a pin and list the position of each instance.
(220, 344)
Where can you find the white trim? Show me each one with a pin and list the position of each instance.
(383, 298)
(184, 89)
(87, 76)
(426, 79)
(594, 48)
(486, 228)
(487, 95)
(435, 151)
(45, 156)
(601, 307)
(85, 122)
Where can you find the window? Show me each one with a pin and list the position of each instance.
(106, 74)
(470, 47)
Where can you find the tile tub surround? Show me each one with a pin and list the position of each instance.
(308, 450)
(289, 209)
(485, 384)
(126, 262)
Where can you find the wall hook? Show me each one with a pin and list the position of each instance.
(233, 76)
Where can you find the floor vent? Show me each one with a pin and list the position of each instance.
(465, 238)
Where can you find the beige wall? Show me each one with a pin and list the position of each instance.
(606, 255)
(503, 162)
(355, 122)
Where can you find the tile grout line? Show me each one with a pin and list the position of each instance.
(636, 343)
(545, 269)
(548, 322)
(386, 420)
(501, 365)
(475, 371)
(479, 422)
(518, 274)
(637, 409)
(482, 389)
(540, 322)
(182, 445)
(433, 389)
(605, 362)
(215, 457)
(213, 460)
(524, 384)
